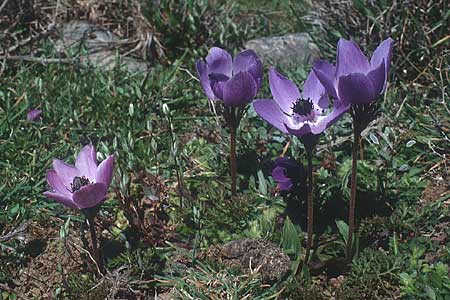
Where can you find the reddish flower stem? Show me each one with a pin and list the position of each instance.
(233, 162)
(95, 249)
(351, 214)
(310, 208)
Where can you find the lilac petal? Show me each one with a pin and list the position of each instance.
(239, 90)
(248, 61)
(202, 70)
(356, 88)
(269, 110)
(279, 174)
(383, 52)
(217, 83)
(67, 201)
(286, 162)
(378, 78)
(284, 91)
(314, 90)
(325, 73)
(350, 59)
(86, 162)
(90, 195)
(219, 61)
(285, 186)
(55, 182)
(299, 132)
(65, 171)
(340, 108)
(34, 114)
(105, 171)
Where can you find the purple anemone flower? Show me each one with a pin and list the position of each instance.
(234, 82)
(34, 114)
(298, 113)
(81, 186)
(287, 173)
(355, 80)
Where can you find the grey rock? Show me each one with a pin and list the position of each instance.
(287, 50)
(101, 46)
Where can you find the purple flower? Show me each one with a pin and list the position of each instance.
(81, 186)
(287, 173)
(298, 113)
(34, 114)
(234, 82)
(356, 80)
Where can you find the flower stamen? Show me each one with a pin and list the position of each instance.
(303, 107)
(78, 183)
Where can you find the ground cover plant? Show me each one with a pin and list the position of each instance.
(216, 174)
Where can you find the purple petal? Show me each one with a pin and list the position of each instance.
(202, 70)
(339, 109)
(356, 88)
(86, 162)
(279, 174)
(105, 171)
(299, 132)
(34, 114)
(90, 195)
(217, 83)
(284, 91)
(314, 90)
(65, 171)
(287, 163)
(325, 72)
(219, 61)
(248, 61)
(350, 59)
(239, 90)
(67, 201)
(269, 110)
(383, 52)
(378, 78)
(285, 186)
(55, 182)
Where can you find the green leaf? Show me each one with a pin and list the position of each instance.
(343, 229)
(290, 239)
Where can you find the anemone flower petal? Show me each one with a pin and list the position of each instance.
(314, 90)
(383, 52)
(248, 61)
(202, 70)
(378, 78)
(350, 59)
(279, 174)
(239, 90)
(356, 89)
(63, 199)
(285, 186)
(324, 122)
(300, 131)
(86, 162)
(65, 171)
(34, 114)
(90, 195)
(57, 184)
(284, 91)
(269, 110)
(217, 83)
(105, 171)
(219, 61)
(325, 73)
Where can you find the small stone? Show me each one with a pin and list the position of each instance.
(286, 51)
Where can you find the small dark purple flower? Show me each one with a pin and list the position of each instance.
(234, 82)
(287, 173)
(81, 186)
(356, 80)
(34, 114)
(298, 113)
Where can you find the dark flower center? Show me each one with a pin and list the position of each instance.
(303, 107)
(78, 183)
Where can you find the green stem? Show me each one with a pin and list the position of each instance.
(351, 214)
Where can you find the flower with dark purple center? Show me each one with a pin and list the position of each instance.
(287, 173)
(298, 113)
(235, 82)
(81, 186)
(355, 80)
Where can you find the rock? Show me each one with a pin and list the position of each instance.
(247, 253)
(287, 50)
(100, 44)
